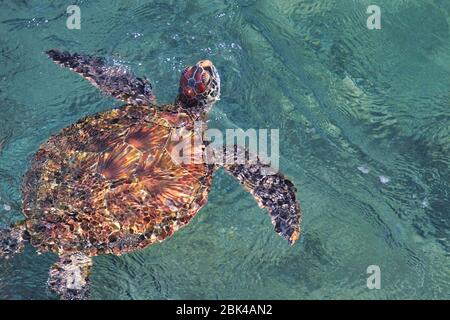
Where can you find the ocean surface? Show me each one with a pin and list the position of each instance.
(364, 123)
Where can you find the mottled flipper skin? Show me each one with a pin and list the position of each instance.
(12, 240)
(116, 81)
(271, 190)
(69, 277)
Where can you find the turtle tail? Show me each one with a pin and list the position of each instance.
(12, 240)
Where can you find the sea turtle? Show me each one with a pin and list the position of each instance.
(110, 184)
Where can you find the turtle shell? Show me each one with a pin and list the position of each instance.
(109, 183)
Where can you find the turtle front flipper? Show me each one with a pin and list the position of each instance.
(272, 190)
(116, 81)
(12, 240)
(69, 277)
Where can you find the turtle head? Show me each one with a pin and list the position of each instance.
(199, 87)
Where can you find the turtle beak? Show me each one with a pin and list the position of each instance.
(205, 63)
(208, 66)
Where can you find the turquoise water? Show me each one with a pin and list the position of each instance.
(364, 119)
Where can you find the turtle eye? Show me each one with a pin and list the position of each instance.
(189, 92)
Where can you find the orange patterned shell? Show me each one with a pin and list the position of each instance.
(108, 184)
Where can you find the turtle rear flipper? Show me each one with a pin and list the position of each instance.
(272, 190)
(114, 80)
(12, 240)
(69, 277)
